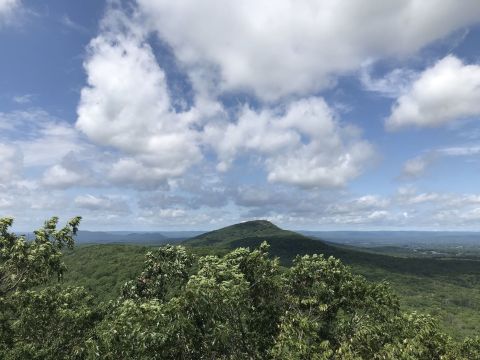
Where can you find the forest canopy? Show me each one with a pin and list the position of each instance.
(243, 305)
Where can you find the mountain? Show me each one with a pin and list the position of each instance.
(239, 232)
(287, 244)
(283, 243)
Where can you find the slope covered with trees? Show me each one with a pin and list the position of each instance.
(241, 305)
(288, 244)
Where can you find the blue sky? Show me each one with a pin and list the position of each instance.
(314, 114)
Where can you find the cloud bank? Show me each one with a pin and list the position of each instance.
(277, 49)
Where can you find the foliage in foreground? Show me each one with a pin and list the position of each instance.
(239, 306)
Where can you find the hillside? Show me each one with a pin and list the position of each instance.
(288, 244)
(248, 229)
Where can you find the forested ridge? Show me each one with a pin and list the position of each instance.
(192, 304)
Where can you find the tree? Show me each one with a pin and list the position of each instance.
(24, 264)
(245, 306)
(165, 272)
(51, 323)
(45, 323)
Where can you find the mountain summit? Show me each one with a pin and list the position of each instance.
(246, 230)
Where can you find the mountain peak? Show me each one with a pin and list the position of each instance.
(247, 229)
(257, 224)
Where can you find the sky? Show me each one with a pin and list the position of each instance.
(313, 114)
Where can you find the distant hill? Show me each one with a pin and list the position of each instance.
(399, 238)
(127, 237)
(287, 244)
(101, 237)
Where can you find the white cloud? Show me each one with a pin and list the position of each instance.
(130, 172)
(60, 177)
(7, 9)
(43, 139)
(171, 213)
(408, 195)
(445, 92)
(364, 210)
(102, 203)
(415, 167)
(297, 47)
(371, 201)
(392, 84)
(304, 144)
(126, 106)
(464, 150)
(52, 143)
(361, 207)
(6, 201)
(424, 197)
(11, 161)
(312, 165)
(70, 172)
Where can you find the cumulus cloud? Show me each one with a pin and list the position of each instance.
(297, 47)
(445, 92)
(282, 53)
(304, 144)
(59, 176)
(312, 166)
(69, 172)
(129, 171)
(126, 106)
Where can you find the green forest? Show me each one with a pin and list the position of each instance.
(250, 291)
